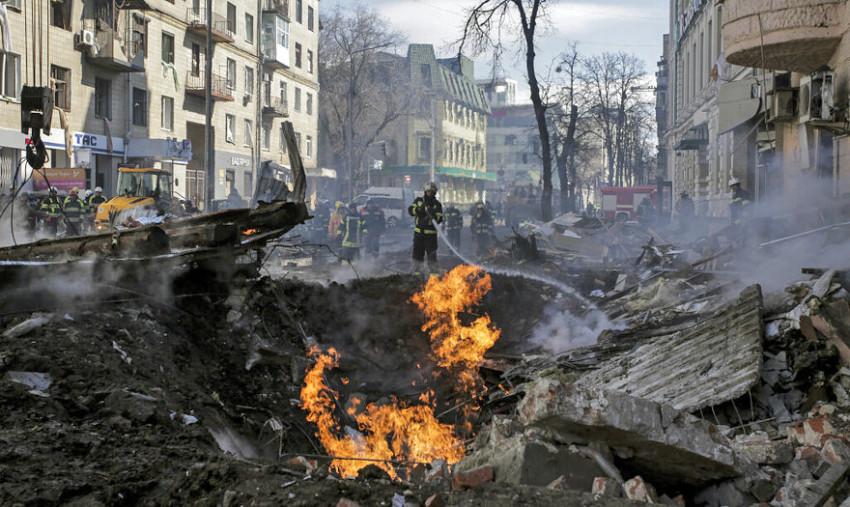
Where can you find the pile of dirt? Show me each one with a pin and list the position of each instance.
(195, 399)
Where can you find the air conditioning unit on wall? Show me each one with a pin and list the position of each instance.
(816, 96)
(783, 105)
(87, 38)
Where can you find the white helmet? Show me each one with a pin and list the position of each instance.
(54, 190)
(98, 189)
(88, 192)
(734, 181)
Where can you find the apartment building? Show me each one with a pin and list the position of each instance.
(445, 140)
(130, 87)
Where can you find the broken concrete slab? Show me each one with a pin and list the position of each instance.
(472, 477)
(669, 445)
(820, 492)
(711, 362)
(758, 447)
(638, 490)
(522, 460)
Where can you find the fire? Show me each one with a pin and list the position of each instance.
(456, 346)
(250, 232)
(399, 431)
(388, 432)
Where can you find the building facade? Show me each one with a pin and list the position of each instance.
(446, 139)
(130, 87)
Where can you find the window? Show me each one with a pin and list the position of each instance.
(249, 28)
(60, 13)
(139, 35)
(298, 55)
(196, 60)
(282, 143)
(309, 147)
(231, 74)
(248, 128)
(510, 140)
(248, 188)
(231, 17)
(310, 61)
(267, 136)
(425, 70)
(310, 17)
(229, 127)
(167, 47)
(62, 80)
(283, 91)
(297, 99)
(298, 8)
(140, 107)
(424, 148)
(102, 98)
(298, 140)
(249, 81)
(11, 85)
(309, 103)
(167, 113)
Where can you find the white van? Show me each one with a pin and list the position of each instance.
(393, 200)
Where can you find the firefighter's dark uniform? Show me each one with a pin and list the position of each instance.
(51, 210)
(426, 211)
(351, 230)
(645, 212)
(74, 213)
(376, 224)
(739, 206)
(454, 224)
(482, 227)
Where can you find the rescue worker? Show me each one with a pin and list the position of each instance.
(30, 207)
(376, 224)
(590, 211)
(351, 232)
(334, 222)
(685, 211)
(482, 227)
(51, 210)
(740, 204)
(74, 214)
(319, 224)
(645, 212)
(428, 213)
(453, 225)
(96, 200)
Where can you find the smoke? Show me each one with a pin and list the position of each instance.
(560, 331)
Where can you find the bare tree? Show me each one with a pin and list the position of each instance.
(483, 30)
(359, 83)
(613, 78)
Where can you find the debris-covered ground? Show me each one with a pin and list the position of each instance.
(625, 368)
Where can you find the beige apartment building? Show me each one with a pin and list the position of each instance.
(808, 39)
(129, 79)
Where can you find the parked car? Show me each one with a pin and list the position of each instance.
(393, 200)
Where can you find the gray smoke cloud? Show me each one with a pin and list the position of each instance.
(560, 331)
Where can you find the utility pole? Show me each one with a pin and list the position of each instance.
(208, 110)
(432, 171)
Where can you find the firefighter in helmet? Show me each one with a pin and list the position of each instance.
(427, 212)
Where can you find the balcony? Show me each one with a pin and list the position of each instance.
(276, 108)
(799, 35)
(222, 29)
(103, 47)
(196, 85)
(277, 6)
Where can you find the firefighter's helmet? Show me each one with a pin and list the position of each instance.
(98, 189)
(734, 181)
(430, 186)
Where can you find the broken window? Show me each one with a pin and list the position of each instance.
(298, 54)
(11, 74)
(102, 98)
(167, 47)
(196, 60)
(167, 113)
(267, 136)
(60, 13)
(310, 16)
(62, 87)
(249, 81)
(249, 127)
(282, 144)
(139, 41)
(309, 103)
(231, 17)
(249, 28)
(229, 127)
(299, 15)
(297, 98)
(231, 74)
(424, 148)
(140, 107)
(310, 61)
(309, 147)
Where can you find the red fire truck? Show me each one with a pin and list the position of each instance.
(622, 202)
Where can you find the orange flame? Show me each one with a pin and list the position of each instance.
(387, 432)
(398, 431)
(456, 346)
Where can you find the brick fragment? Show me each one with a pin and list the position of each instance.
(472, 478)
(640, 491)
(435, 500)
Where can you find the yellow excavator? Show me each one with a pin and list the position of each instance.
(142, 193)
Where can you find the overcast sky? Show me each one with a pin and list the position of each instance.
(634, 26)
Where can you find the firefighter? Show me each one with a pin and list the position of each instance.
(30, 206)
(319, 224)
(376, 224)
(75, 212)
(351, 232)
(51, 210)
(96, 200)
(334, 222)
(428, 213)
(685, 210)
(645, 212)
(740, 204)
(482, 227)
(453, 225)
